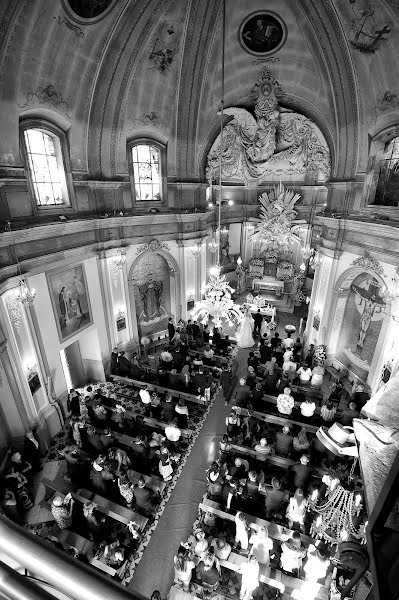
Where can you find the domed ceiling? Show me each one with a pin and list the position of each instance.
(110, 70)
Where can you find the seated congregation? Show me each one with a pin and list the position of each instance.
(255, 535)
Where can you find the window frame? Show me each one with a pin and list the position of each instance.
(54, 131)
(163, 179)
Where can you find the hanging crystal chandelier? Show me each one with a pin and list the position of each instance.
(217, 302)
(335, 523)
(25, 295)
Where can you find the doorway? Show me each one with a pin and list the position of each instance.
(73, 366)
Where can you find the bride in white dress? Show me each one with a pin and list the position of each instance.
(245, 331)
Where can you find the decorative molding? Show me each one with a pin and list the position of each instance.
(48, 96)
(151, 119)
(64, 21)
(250, 150)
(14, 311)
(153, 246)
(369, 263)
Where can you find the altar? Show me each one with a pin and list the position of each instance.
(270, 284)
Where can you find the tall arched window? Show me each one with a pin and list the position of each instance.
(45, 154)
(147, 162)
(387, 192)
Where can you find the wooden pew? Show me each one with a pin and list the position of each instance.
(216, 359)
(112, 509)
(174, 393)
(279, 461)
(279, 533)
(268, 418)
(154, 423)
(316, 419)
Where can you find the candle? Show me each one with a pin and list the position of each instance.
(315, 493)
(357, 500)
(319, 521)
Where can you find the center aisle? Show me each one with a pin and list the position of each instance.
(155, 570)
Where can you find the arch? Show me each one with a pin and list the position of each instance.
(155, 247)
(345, 279)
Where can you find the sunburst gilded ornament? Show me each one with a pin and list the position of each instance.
(277, 213)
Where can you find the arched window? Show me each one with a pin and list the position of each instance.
(147, 162)
(387, 192)
(44, 150)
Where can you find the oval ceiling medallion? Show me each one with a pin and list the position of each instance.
(88, 11)
(262, 33)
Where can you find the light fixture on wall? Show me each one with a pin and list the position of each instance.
(213, 246)
(239, 261)
(25, 295)
(196, 250)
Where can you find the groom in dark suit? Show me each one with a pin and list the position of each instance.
(258, 322)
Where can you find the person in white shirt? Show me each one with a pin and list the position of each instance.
(172, 433)
(221, 548)
(145, 396)
(316, 565)
(249, 578)
(308, 407)
(289, 367)
(288, 342)
(261, 545)
(263, 447)
(305, 373)
(285, 402)
(241, 531)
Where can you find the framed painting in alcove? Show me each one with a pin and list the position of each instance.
(70, 299)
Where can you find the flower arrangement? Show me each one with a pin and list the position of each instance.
(299, 297)
(320, 354)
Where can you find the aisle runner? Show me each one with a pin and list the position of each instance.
(131, 567)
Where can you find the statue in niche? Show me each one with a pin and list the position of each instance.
(241, 279)
(277, 142)
(150, 296)
(370, 306)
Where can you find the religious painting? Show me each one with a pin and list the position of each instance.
(316, 322)
(70, 299)
(89, 9)
(262, 33)
(151, 293)
(361, 325)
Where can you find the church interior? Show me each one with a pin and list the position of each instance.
(199, 299)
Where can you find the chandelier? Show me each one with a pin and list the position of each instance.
(217, 302)
(334, 522)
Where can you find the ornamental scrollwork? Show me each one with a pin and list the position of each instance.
(14, 311)
(152, 246)
(48, 96)
(368, 263)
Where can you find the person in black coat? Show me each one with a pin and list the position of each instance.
(114, 367)
(73, 403)
(32, 449)
(124, 365)
(171, 329)
(257, 322)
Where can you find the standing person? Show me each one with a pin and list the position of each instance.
(225, 382)
(184, 566)
(296, 509)
(124, 365)
(297, 349)
(308, 408)
(301, 473)
(305, 373)
(242, 394)
(284, 441)
(288, 342)
(258, 319)
(317, 376)
(293, 552)
(244, 334)
(249, 578)
(114, 366)
(73, 403)
(32, 449)
(285, 402)
(61, 509)
(310, 356)
(261, 545)
(241, 537)
(165, 464)
(171, 330)
(275, 499)
(301, 443)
